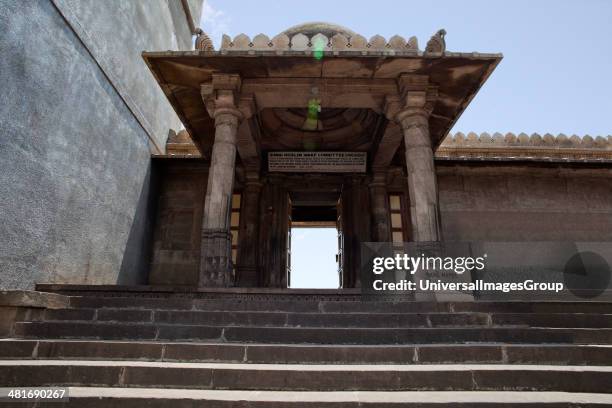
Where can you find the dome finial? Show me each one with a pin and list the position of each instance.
(316, 27)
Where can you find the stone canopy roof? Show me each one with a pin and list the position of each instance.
(354, 77)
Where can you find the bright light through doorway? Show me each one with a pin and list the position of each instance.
(313, 258)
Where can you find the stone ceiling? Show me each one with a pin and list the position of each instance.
(349, 129)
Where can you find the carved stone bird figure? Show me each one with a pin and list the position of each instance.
(436, 43)
(203, 41)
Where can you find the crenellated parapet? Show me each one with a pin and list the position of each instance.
(509, 146)
(324, 37)
(319, 42)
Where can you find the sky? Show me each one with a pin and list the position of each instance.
(556, 75)
(313, 258)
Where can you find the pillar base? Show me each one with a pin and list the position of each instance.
(216, 263)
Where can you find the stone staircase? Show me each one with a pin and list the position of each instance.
(273, 349)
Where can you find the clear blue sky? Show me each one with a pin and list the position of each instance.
(557, 68)
(313, 258)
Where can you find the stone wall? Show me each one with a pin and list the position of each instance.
(523, 202)
(80, 115)
(178, 227)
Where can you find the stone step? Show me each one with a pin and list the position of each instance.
(307, 354)
(250, 318)
(377, 305)
(91, 397)
(310, 335)
(303, 377)
(553, 319)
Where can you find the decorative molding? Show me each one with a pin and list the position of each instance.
(525, 147)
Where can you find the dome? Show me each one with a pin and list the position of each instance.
(313, 28)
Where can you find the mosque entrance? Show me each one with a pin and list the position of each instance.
(315, 242)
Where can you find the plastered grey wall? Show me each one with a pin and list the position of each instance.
(80, 115)
(525, 202)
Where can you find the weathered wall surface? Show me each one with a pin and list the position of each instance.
(115, 32)
(525, 202)
(79, 117)
(178, 229)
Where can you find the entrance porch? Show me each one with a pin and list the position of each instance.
(224, 218)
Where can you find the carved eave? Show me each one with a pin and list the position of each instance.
(523, 147)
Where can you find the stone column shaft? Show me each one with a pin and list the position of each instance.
(249, 235)
(216, 255)
(221, 173)
(355, 203)
(422, 184)
(273, 233)
(381, 231)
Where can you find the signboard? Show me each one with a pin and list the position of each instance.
(317, 162)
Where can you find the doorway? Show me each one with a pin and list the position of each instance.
(315, 247)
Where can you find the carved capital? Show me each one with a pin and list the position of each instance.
(418, 104)
(413, 117)
(414, 103)
(221, 98)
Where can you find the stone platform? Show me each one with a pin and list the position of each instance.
(145, 346)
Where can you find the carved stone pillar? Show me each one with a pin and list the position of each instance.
(249, 233)
(273, 233)
(355, 205)
(381, 231)
(216, 256)
(412, 112)
(422, 183)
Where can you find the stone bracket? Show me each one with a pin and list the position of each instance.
(389, 143)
